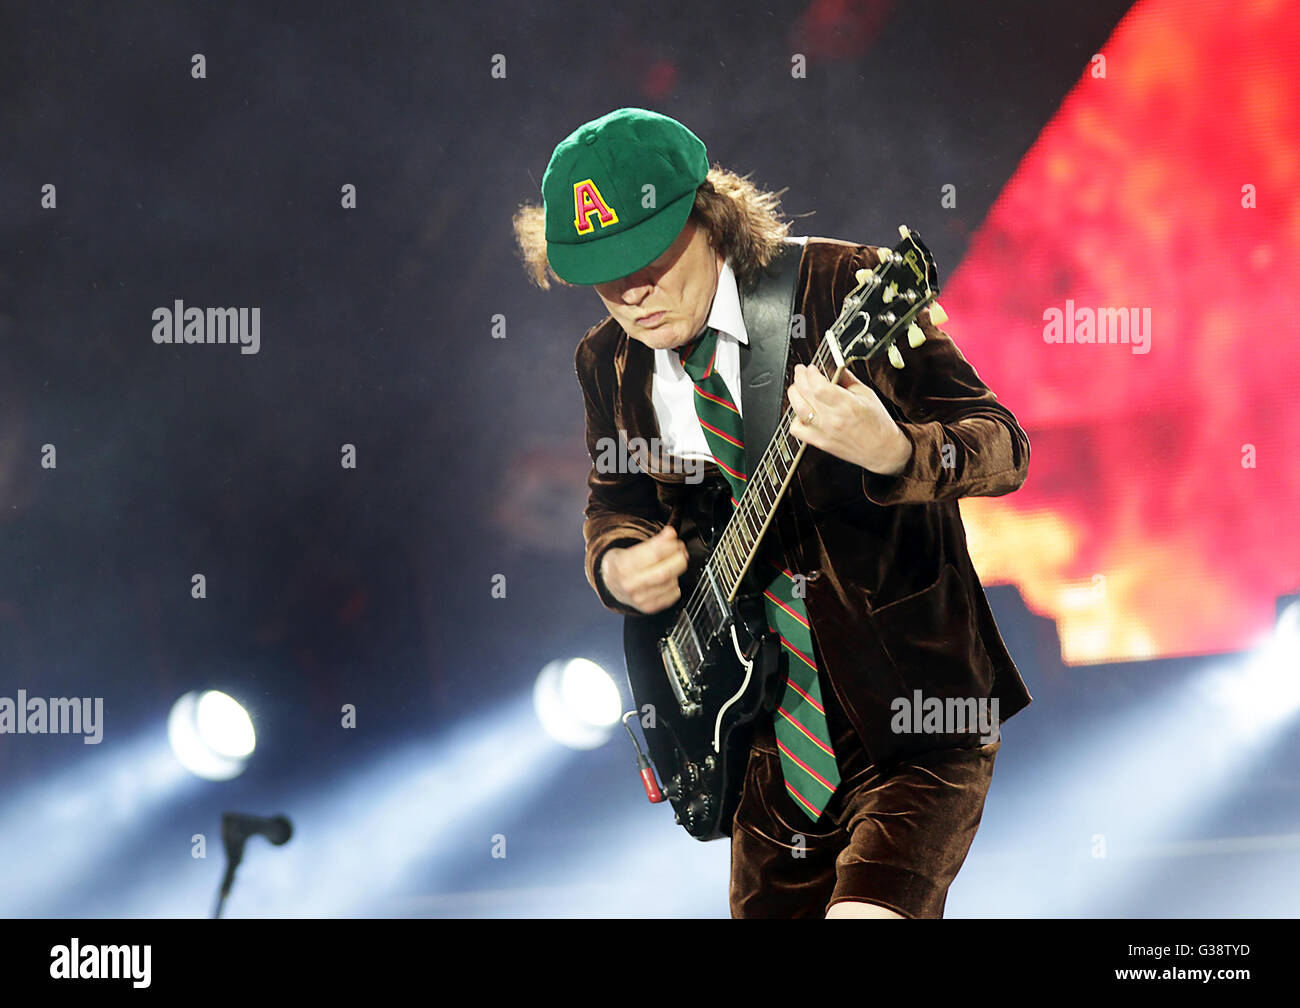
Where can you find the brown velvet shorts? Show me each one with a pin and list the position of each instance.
(895, 838)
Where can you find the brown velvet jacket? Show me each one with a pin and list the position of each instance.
(893, 599)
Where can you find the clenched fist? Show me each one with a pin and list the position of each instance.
(645, 576)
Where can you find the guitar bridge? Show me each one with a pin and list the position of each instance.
(685, 689)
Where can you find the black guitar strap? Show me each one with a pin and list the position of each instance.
(766, 308)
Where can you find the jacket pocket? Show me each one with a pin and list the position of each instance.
(932, 639)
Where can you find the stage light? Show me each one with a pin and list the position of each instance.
(577, 702)
(1263, 692)
(1269, 689)
(211, 734)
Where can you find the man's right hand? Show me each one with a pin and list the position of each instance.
(645, 576)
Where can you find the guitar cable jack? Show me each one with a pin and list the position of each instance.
(648, 780)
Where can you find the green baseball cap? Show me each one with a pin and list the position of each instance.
(618, 191)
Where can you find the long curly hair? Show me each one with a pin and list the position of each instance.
(743, 222)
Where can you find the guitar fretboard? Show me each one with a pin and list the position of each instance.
(764, 488)
(763, 491)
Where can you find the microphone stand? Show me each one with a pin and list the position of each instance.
(235, 831)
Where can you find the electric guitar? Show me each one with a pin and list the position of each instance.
(703, 670)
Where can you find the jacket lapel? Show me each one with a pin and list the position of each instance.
(636, 413)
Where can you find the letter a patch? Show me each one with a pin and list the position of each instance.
(587, 201)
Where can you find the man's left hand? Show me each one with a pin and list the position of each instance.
(849, 421)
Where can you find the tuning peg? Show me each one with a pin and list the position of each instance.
(903, 232)
(895, 358)
(915, 336)
(885, 255)
(889, 293)
(937, 315)
(861, 275)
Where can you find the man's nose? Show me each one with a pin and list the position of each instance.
(638, 286)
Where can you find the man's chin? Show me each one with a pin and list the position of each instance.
(663, 337)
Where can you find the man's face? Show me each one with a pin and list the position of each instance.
(667, 303)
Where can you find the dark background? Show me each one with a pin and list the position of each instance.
(329, 586)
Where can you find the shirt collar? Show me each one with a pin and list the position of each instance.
(725, 314)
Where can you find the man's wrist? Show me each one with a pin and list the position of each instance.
(900, 457)
(602, 586)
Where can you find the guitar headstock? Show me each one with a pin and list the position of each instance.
(886, 302)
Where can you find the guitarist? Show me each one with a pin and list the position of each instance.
(869, 528)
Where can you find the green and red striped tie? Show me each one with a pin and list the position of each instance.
(807, 756)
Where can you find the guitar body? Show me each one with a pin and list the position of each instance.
(701, 752)
(699, 738)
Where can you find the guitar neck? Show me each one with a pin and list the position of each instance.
(766, 486)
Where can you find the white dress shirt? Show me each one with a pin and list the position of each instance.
(671, 388)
